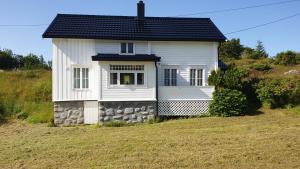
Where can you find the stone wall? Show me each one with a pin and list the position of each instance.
(68, 113)
(130, 112)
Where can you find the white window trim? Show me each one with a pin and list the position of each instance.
(196, 75)
(120, 48)
(135, 85)
(81, 78)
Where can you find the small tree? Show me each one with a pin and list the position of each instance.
(286, 58)
(260, 50)
(231, 49)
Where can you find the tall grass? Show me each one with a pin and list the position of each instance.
(26, 92)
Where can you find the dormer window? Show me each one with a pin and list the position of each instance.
(127, 48)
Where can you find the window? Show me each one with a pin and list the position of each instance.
(127, 78)
(140, 79)
(81, 78)
(113, 78)
(196, 77)
(127, 75)
(127, 48)
(170, 77)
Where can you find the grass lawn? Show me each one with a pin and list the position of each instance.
(268, 140)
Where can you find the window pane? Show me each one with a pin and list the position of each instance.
(76, 78)
(127, 78)
(140, 79)
(130, 47)
(193, 77)
(83, 78)
(167, 77)
(174, 77)
(123, 48)
(200, 77)
(114, 78)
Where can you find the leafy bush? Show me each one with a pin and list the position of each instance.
(261, 66)
(227, 103)
(279, 92)
(286, 58)
(232, 79)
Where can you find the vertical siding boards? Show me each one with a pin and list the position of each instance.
(66, 54)
(70, 52)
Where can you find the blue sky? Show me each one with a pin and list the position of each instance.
(276, 37)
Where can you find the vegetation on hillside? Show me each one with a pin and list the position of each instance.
(9, 61)
(26, 95)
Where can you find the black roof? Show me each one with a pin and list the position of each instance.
(117, 57)
(130, 28)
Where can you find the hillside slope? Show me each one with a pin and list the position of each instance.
(26, 95)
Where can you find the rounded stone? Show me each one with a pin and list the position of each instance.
(137, 110)
(101, 118)
(63, 116)
(150, 107)
(101, 107)
(143, 108)
(144, 117)
(119, 111)
(126, 118)
(128, 111)
(144, 113)
(110, 112)
(117, 117)
(102, 113)
(106, 118)
(133, 116)
(140, 119)
(151, 111)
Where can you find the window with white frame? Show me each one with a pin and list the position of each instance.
(170, 77)
(127, 75)
(80, 78)
(196, 77)
(127, 48)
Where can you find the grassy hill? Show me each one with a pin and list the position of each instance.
(26, 95)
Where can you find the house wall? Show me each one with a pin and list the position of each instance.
(128, 93)
(68, 53)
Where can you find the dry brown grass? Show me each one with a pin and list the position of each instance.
(269, 140)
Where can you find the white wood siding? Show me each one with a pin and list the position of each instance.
(185, 93)
(66, 54)
(182, 55)
(186, 55)
(130, 93)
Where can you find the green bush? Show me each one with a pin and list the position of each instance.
(261, 66)
(227, 103)
(286, 58)
(232, 79)
(277, 93)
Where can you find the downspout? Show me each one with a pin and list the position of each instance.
(156, 71)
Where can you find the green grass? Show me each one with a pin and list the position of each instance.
(270, 140)
(26, 92)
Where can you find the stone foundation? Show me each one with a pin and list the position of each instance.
(68, 113)
(130, 112)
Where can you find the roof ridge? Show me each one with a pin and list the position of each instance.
(124, 16)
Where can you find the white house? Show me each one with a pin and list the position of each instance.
(131, 68)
